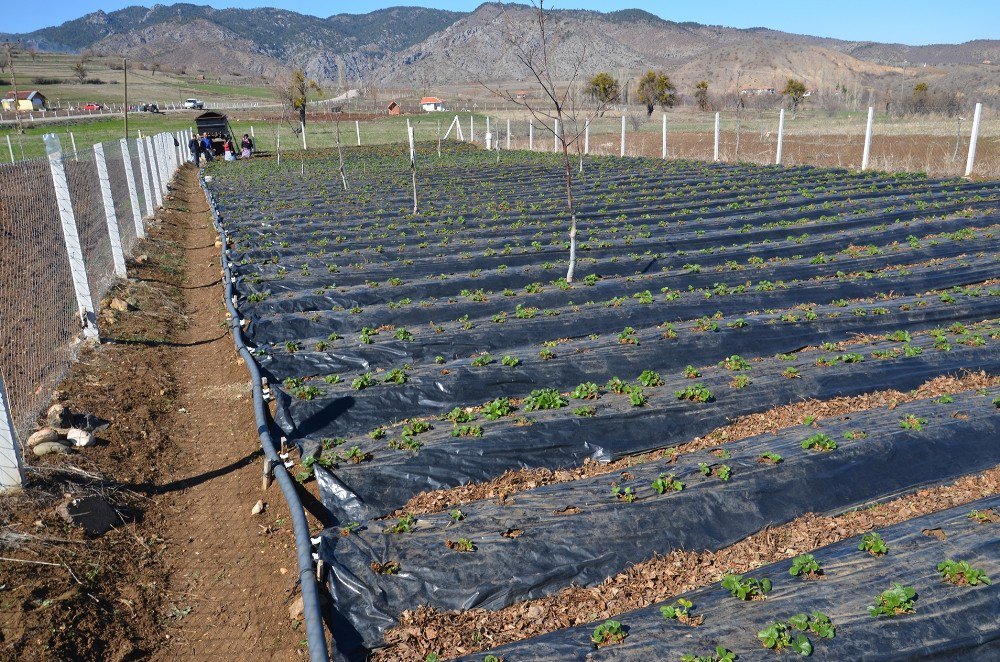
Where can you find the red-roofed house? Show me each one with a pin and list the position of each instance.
(432, 104)
(28, 100)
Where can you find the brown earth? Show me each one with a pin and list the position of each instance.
(196, 575)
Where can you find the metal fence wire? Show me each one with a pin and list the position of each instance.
(40, 322)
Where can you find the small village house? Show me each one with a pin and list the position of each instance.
(27, 101)
(393, 108)
(432, 104)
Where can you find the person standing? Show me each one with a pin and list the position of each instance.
(247, 146)
(207, 148)
(194, 145)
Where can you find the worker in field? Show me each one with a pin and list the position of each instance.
(194, 146)
(207, 148)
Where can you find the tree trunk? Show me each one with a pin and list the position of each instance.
(572, 211)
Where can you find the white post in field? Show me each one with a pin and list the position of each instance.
(72, 140)
(252, 134)
(487, 124)
(413, 166)
(78, 269)
(715, 152)
(973, 139)
(868, 138)
(663, 142)
(11, 469)
(508, 134)
(302, 126)
(781, 136)
(114, 236)
(472, 128)
(133, 194)
(140, 147)
(586, 136)
(357, 129)
(531, 135)
(622, 150)
(11, 148)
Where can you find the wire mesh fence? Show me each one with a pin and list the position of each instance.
(62, 220)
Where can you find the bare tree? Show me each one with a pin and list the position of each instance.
(80, 71)
(153, 68)
(559, 110)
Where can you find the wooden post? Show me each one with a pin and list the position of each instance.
(109, 211)
(781, 135)
(715, 153)
(133, 194)
(973, 139)
(663, 142)
(868, 139)
(11, 469)
(622, 151)
(78, 270)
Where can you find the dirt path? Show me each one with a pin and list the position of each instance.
(231, 574)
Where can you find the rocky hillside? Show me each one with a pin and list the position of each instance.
(420, 47)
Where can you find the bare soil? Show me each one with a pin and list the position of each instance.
(194, 574)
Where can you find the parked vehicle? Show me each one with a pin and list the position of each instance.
(92, 106)
(194, 104)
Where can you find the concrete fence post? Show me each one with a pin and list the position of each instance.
(621, 152)
(117, 257)
(868, 139)
(973, 139)
(663, 141)
(531, 135)
(715, 151)
(586, 136)
(133, 194)
(11, 469)
(147, 194)
(781, 136)
(78, 270)
(508, 134)
(10, 147)
(357, 128)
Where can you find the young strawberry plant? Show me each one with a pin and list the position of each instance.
(607, 633)
(498, 408)
(616, 385)
(649, 379)
(665, 483)
(414, 427)
(460, 545)
(363, 381)
(395, 376)
(818, 623)
(585, 391)
(545, 398)
(740, 381)
(983, 516)
(482, 360)
(721, 654)
(467, 431)
(791, 372)
(459, 415)
(403, 525)
(720, 471)
(873, 544)
(805, 565)
(387, 568)
(694, 393)
(456, 515)
(911, 422)
(819, 442)
(627, 495)
(746, 588)
(585, 411)
(779, 637)
(770, 458)
(681, 612)
(628, 337)
(636, 397)
(691, 372)
(894, 601)
(735, 363)
(510, 361)
(961, 573)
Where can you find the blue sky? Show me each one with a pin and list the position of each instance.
(909, 22)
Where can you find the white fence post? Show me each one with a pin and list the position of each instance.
(133, 194)
(531, 135)
(357, 127)
(72, 141)
(154, 173)
(663, 142)
(472, 128)
(586, 136)
(11, 470)
(302, 126)
(868, 138)
(11, 148)
(973, 139)
(621, 152)
(81, 286)
(715, 152)
(109, 211)
(144, 174)
(781, 136)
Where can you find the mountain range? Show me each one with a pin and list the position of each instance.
(422, 47)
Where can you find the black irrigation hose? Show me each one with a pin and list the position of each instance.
(315, 633)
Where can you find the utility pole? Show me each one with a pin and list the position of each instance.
(125, 69)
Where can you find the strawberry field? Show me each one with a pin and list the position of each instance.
(513, 467)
